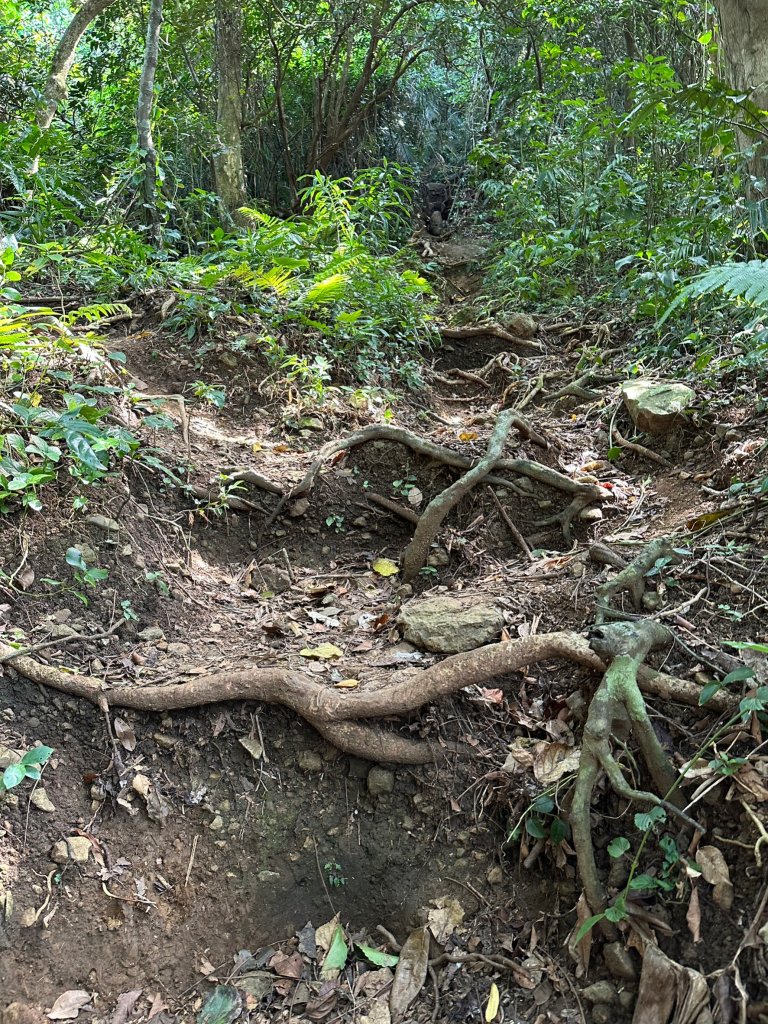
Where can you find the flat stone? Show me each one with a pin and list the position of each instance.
(178, 650)
(103, 523)
(217, 824)
(446, 625)
(8, 756)
(655, 405)
(600, 992)
(42, 801)
(151, 633)
(75, 848)
(619, 961)
(495, 875)
(268, 876)
(310, 761)
(380, 781)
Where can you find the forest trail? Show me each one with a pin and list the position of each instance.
(226, 828)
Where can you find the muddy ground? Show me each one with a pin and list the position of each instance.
(255, 825)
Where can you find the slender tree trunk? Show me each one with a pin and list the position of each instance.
(56, 87)
(744, 31)
(144, 117)
(228, 159)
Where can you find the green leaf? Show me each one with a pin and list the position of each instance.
(645, 820)
(83, 451)
(587, 926)
(223, 1006)
(534, 828)
(705, 38)
(744, 672)
(643, 882)
(618, 847)
(75, 558)
(544, 804)
(376, 957)
(559, 830)
(37, 755)
(617, 912)
(13, 775)
(740, 645)
(709, 691)
(337, 955)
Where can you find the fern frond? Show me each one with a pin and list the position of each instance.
(265, 219)
(747, 281)
(98, 311)
(328, 290)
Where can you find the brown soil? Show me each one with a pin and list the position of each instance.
(236, 852)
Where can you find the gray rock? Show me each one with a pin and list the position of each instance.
(8, 756)
(600, 992)
(102, 523)
(178, 650)
(310, 761)
(380, 781)
(268, 876)
(217, 824)
(151, 633)
(619, 961)
(446, 625)
(655, 405)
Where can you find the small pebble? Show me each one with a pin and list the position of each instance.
(42, 801)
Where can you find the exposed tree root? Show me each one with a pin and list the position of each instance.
(632, 577)
(492, 330)
(431, 519)
(336, 713)
(639, 449)
(618, 699)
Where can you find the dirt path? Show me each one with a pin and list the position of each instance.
(248, 824)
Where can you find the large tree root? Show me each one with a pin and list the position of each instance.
(493, 331)
(631, 577)
(336, 713)
(618, 699)
(415, 555)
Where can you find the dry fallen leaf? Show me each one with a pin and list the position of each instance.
(69, 1004)
(493, 1003)
(715, 871)
(693, 915)
(553, 761)
(581, 951)
(125, 734)
(467, 435)
(347, 684)
(385, 567)
(411, 972)
(125, 1004)
(253, 746)
(444, 918)
(323, 652)
(324, 934)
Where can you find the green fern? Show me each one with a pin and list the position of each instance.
(98, 311)
(328, 290)
(748, 281)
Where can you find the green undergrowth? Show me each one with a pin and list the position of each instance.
(329, 293)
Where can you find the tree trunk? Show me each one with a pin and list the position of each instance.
(228, 159)
(744, 31)
(144, 117)
(56, 87)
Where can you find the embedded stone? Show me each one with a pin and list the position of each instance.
(446, 625)
(655, 406)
